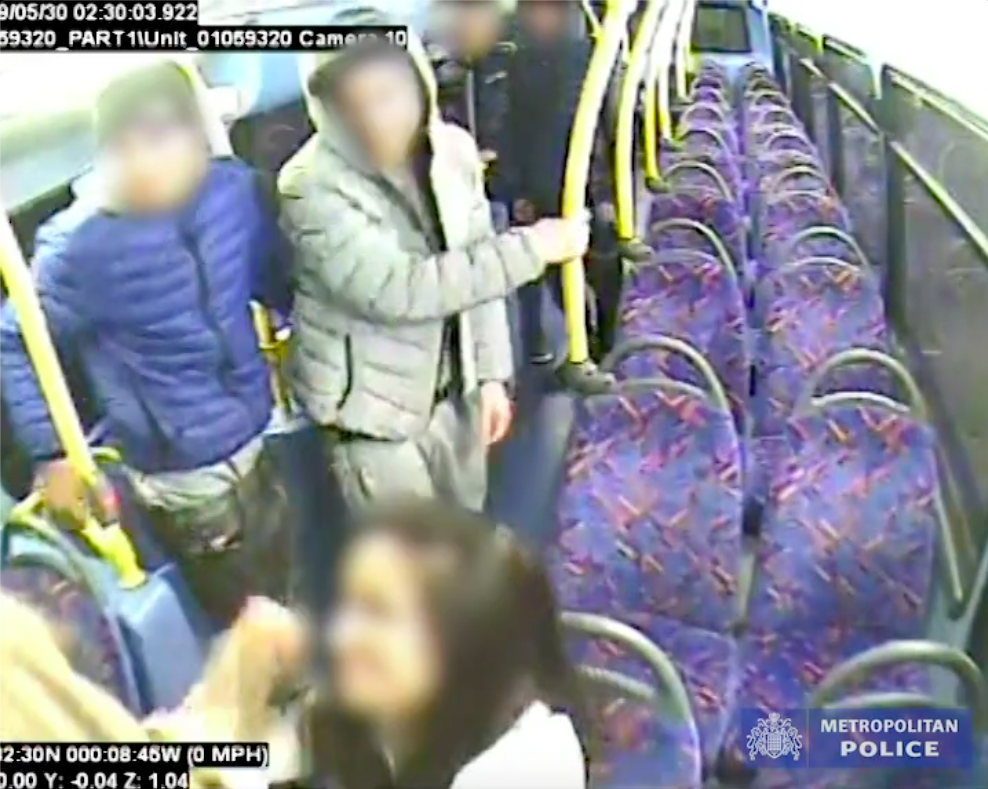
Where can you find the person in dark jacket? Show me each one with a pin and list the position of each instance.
(149, 284)
(545, 81)
(471, 71)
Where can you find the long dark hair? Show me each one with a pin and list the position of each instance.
(498, 625)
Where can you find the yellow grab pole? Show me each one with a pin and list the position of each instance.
(624, 136)
(684, 38)
(578, 160)
(666, 43)
(273, 349)
(592, 22)
(108, 541)
(650, 132)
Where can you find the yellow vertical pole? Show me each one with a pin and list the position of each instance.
(624, 137)
(578, 161)
(684, 38)
(109, 541)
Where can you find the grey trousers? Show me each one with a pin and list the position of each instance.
(448, 460)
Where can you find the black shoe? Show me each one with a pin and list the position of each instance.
(541, 358)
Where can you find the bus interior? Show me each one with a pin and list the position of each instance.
(773, 493)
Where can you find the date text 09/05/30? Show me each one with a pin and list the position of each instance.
(192, 37)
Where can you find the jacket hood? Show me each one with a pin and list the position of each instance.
(325, 119)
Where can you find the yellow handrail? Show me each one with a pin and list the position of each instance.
(650, 131)
(578, 160)
(684, 37)
(658, 116)
(109, 541)
(666, 45)
(273, 347)
(593, 23)
(624, 136)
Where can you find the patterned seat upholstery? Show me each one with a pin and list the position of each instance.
(722, 216)
(689, 294)
(772, 138)
(845, 562)
(786, 215)
(730, 172)
(810, 311)
(772, 163)
(82, 628)
(649, 532)
(712, 142)
(635, 746)
(708, 92)
(724, 127)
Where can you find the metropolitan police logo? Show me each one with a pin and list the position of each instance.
(774, 737)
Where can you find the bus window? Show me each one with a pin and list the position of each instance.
(721, 28)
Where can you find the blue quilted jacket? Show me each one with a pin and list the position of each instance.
(157, 310)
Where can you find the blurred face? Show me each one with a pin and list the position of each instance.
(156, 165)
(381, 100)
(385, 657)
(476, 28)
(542, 19)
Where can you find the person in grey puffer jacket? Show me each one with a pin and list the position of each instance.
(401, 348)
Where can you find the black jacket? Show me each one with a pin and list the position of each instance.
(544, 86)
(490, 97)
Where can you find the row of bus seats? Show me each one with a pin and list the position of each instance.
(754, 367)
(134, 626)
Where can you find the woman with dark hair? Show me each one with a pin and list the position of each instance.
(447, 666)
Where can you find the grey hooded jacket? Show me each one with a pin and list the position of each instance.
(374, 292)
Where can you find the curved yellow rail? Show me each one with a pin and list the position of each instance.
(624, 137)
(658, 117)
(605, 54)
(684, 39)
(110, 542)
(665, 45)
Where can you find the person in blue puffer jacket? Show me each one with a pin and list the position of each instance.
(545, 81)
(149, 285)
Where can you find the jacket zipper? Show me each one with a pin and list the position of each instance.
(160, 436)
(225, 366)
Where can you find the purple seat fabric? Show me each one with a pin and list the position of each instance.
(683, 175)
(730, 170)
(703, 110)
(784, 216)
(688, 294)
(709, 92)
(772, 163)
(649, 533)
(84, 629)
(769, 115)
(722, 216)
(710, 141)
(637, 748)
(845, 562)
(772, 138)
(818, 243)
(707, 662)
(808, 313)
(649, 512)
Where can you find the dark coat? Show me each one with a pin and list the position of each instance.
(490, 97)
(544, 87)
